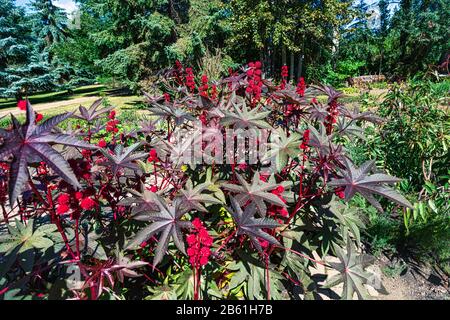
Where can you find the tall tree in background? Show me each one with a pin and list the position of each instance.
(13, 44)
(419, 35)
(21, 68)
(359, 50)
(408, 39)
(131, 35)
(135, 39)
(274, 30)
(50, 22)
(78, 52)
(204, 28)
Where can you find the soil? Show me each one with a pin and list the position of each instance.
(402, 281)
(415, 282)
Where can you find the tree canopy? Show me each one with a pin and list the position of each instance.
(127, 42)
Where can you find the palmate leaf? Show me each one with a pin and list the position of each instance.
(148, 126)
(282, 148)
(320, 141)
(317, 112)
(214, 183)
(194, 197)
(250, 226)
(26, 237)
(123, 266)
(183, 150)
(348, 127)
(329, 91)
(358, 180)
(338, 221)
(22, 241)
(123, 158)
(167, 222)
(250, 274)
(140, 201)
(30, 143)
(258, 192)
(352, 273)
(93, 112)
(290, 96)
(170, 111)
(242, 117)
(356, 114)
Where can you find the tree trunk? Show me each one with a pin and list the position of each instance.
(300, 60)
(291, 67)
(300, 65)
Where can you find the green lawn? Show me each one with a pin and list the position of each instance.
(123, 101)
(45, 97)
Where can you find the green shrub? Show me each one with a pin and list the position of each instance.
(413, 145)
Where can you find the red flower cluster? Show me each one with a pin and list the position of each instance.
(305, 142)
(332, 115)
(254, 80)
(284, 75)
(213, 92)
(153, 156)
(301, 87)
(203, 89)
(152, 188)
(203, 117)
(111, 125)
(65, 202)
(274, 210)
(102, 143)
(42, 169)
(39, 117)
(340, 192)
(284, 71)
(22, 105)
(178, 72)
(166, 97)
(199, 244)
(87, 203)
(190, 83)
(291, 109)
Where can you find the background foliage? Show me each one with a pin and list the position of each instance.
(128, 42)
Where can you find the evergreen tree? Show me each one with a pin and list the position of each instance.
(131, 36)
(418, 36)
(50, 22)
(50, 29)
(13, 44)
(21, 68)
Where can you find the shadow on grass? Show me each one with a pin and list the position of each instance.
(133, 105)
(57, 96)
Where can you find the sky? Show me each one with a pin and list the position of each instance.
(68, 5)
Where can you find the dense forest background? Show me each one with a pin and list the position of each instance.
(127, 42)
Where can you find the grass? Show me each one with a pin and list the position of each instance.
(46, 97)
(124, 102)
